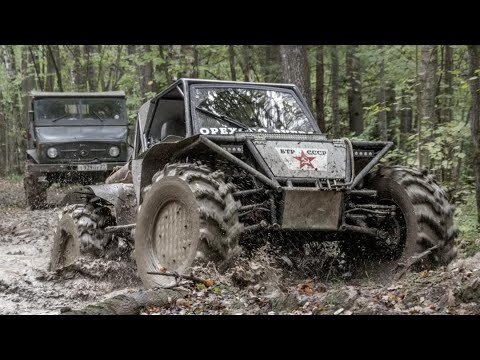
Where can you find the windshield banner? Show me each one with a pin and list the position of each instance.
(232, 130)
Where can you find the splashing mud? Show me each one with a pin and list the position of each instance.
(267, 281)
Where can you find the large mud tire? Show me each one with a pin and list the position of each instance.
(425, 214)
(188, 213)
(81, 232)
(35, 191)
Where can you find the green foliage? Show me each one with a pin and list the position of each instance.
(466, 220)
(444, 147)
(15, 178)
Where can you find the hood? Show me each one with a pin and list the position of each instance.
(81, 133)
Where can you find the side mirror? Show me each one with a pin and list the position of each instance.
(30, 115)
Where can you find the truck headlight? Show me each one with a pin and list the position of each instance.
(114, 151)
(52, 153)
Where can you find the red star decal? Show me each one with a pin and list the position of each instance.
(305, 160)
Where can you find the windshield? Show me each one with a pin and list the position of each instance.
(226, 110)
(72, 111)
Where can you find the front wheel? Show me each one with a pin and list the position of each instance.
(188, 212)
(424, 219)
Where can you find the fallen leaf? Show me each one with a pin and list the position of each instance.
(306, 289)
(394, 287)
(184, 302)
(424, 274)
(201, 286)
(209, 282)
(151, 309)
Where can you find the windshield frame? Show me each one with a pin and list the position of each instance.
(80, 122)
(294, 92)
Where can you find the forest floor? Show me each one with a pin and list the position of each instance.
(252, 286)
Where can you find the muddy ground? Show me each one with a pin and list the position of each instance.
(256, 285)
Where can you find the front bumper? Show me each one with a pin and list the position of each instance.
(54, 168)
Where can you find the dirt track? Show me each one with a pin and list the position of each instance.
(25, 240)
(253, 286)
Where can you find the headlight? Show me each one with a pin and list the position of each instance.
(114, 151)
(52, 153)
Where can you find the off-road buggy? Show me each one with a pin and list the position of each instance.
(216, 163)
(73, 137)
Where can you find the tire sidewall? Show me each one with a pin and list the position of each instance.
(58, 259)
(387, 189)
(163, 191)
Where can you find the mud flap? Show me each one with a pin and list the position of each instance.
(312, 210)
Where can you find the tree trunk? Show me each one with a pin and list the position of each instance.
(78, 78)
(50, 75)
(196, 62)
(390, 96)
(119, 71)
(131, 303)
(406, 117)
(101, 76)
(12, 118)
(382, 99)
(335, 86)
(165, 67)
(3, 133)
(186, 57)
(248, 63)
(28, 84)
(145, 74)
(57, 64)
(354, 93)
(447, 111)
(319, 89)
(474, 81)
(418, 122)
(36, 65)
(232, 62)
(88, 53)
(273, 64)
(428, 84)
(296, 69)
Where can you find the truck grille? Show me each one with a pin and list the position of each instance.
(82, 152)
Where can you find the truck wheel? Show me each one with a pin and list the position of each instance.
(80, 232)
(188, 212)
(424, 219)
(35, 191)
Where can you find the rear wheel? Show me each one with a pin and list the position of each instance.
(424, 219)
(188, 213)
(81, 232)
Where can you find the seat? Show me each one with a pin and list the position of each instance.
(174, 126)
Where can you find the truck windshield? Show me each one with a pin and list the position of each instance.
(226, 110)
(72, 111)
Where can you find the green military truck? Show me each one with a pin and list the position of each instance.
(73, 138)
